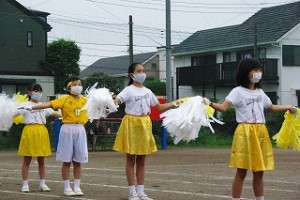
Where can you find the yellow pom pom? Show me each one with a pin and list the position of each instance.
(18, 119)
(289, 133)
(178, 102)
(20, 99)
(209, 111)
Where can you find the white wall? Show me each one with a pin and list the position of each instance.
(184, 91)
(289, 75)
(162, 63)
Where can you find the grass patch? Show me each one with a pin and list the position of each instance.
(8, 143)
(206, 139)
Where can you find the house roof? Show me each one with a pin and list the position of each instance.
(35, 14)
(115, 65)
(272, 23)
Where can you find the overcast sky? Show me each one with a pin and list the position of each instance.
(100, 27)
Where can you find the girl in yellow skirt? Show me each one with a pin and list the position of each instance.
(72, 143)
(251, 147)
(135, 137)
(35, 138)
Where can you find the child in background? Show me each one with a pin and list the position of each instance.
(72, 144)
(135, 137)
(35, 140)
(251, 147)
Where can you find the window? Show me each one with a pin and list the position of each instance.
(153, 65)
(11, 89)
(290, 55)
(29, 39)
(195, 61)
(244, 54)
(203, 60)
(262, 53)
(12, 86)
(226, 57)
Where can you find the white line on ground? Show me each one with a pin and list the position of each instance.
(43, 195)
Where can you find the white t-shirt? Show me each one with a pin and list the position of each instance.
(137, 100)
(35, 116)
(249, 104)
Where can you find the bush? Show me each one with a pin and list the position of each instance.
(206, 139)
(228, 118)
(8, 143)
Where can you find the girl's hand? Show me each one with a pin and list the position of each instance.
(178, 102)
(207, 102)
(293, 110)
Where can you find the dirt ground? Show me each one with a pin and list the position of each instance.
(172, 174)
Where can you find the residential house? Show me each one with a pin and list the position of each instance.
(118, 67)
(206, 62)
(23, 42)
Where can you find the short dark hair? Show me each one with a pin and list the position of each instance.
(131, 69)
(35, 87)
(70, 79)
(244, 67)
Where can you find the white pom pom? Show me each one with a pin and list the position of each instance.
(8, 107)
(185, 122)
(100, 103)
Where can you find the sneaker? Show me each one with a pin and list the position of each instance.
(25, 189)
(69, 192)
(133, 196)
(45, 188)
(78, 192)
(143, 196)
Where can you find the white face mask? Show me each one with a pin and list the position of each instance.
(139, 77)
(256, 76)
(76, 90)
(36, 96)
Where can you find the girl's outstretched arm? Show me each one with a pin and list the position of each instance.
(221, 107)
(279, 108)
(38, 106)
(165, 106)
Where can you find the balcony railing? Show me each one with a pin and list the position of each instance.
(222, 73)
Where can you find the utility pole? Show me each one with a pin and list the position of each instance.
(168, 52)
(130, 41)
(255, 41)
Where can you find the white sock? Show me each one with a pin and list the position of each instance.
(42, 182)
(76, 183)
(140, 189)
(25, 183)
(67, 184)
(259, 198)
(131, 189)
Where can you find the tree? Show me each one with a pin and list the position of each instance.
(103, 80)
(157, 87)
(65, 55)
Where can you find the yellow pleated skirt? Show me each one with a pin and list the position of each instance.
(252, 148)
(35, 141)
(135, 136)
